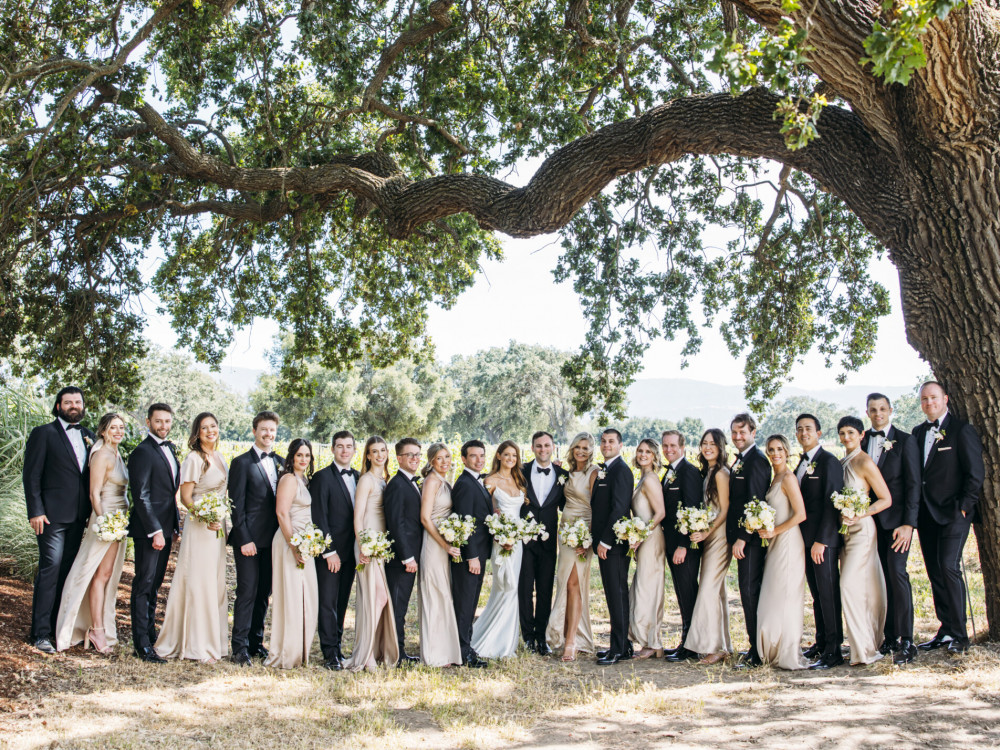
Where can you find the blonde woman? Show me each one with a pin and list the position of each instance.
(646, 592)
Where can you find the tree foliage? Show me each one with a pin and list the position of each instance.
(780, 419)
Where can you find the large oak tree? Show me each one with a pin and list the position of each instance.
(341, 166)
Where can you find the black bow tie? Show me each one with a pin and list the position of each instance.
(414, 479)
(482, 476)
(880, 433)
(935, 423)
(344, 472)
(74, 427)
(540, 470)
(265, 454)
(168, 444)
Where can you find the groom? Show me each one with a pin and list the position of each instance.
(402, 520)
(470, 498)
(611, 500)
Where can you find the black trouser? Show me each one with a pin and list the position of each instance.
(751, 574)
(942, 545)
(824, 585)
(899, 595)
(150, 567)
(253, 588)
(614, 576)
(465, 588)
(400, 588)
(57, 547)
(534, 590)
(334, 593)
(685, 578)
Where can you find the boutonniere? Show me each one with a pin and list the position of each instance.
(489, 487)
(811, 468)
(87, 441)
(561, 479)
(601, 473)
(671, 476)
(738, 467)
(940, 436)
(887, 445)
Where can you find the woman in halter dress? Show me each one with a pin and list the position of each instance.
(87, 608)
(862, 583)
(569, 623)
(645, 595)
(439, 645)
(196, 623)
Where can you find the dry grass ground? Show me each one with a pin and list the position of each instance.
(85, 701)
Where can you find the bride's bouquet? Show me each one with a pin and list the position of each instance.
(851, 503)
(375, 545)
(758, 516)
(212, 508)
(631, 531)
(577, 536)
(506, 531)
(456, 530)
(532, 529)
(310, 542)
(111, 526)
(698, 518)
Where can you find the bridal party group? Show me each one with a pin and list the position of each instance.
(303, 540)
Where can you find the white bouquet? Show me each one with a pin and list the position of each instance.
(310, 542)
(851, 503)
(631, 530)
(111, 527)
(758, 516)
(212, 508)
(532, 529)
(456, 530)
(375, 545)
(506, 532)
(698, 518)
(577, 535)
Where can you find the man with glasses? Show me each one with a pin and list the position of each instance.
(402, 519)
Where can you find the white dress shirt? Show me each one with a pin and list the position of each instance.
(409, 478)
(801, 470)
(542, 483)
(352, 485)
(876, 443)
(170, 460)
(931, 437)
(270, 468)
(607, 465)
(76, 440)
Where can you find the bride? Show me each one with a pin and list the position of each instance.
(497, 632)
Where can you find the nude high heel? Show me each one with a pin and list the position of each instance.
(100, 644)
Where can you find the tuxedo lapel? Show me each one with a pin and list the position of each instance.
(554, 487)
(934, 445)
(341, 484)
(64, 439)
(530, 489)
(174, 475)
(259, 465)
(881, 458)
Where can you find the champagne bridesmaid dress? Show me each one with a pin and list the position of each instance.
(782, 591)
(439, 645)
(577, 494)
(294, 593)
(645, 595)
(75, 618)
(196, 624)
(862, 584)
(709, 631)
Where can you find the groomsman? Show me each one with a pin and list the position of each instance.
(332, 490)
(253, 480)
(951, 477)
(56, 489)
(749, 479)
(682, 488)
(470, 498)
(898, 459)
(820, 475)
(610, 501)
(154, 478)
(402, 519)
(538, 561)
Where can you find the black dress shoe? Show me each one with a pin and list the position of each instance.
(934, 643)
(682, 654)
(241, 657)
(333, 664)
(750, 660)
(889, 646)
(340, 655)
(602, 654)
(149, 655)
(258, 652)
(543, 649)
(958, 646)
(611, 658)
(44, 645)
(474, 662)
(907, 652)
(827, 661)
(813, 652)
(531, 645)
(410, 659)
(668, 652)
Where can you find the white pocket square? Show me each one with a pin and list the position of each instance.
(944, 448)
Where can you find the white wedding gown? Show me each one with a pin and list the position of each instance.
(497, 632)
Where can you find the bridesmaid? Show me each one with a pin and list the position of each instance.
(87, 609)
(196, 623)
(862, 583)
(374, 625)
(439, 645)
(709, 632)
(294, 590)
(569, 623)
(782, 591)
(646, 592)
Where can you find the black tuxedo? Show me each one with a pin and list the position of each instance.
(685, 491)
(752, 480)
(402, 519)
(254, 520)
(470, 498)
(610, 501)
(900, 468)
(153, 484)
(950, 481)
(822, 525)
(54, 487)
(333, 513)
(538, 560)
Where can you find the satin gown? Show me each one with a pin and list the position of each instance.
(196, 623)
(577, 494)
(375, 639)
(75, 618)
(782, 591)
(294, 593)
(709, 631)
(645, 595)
(862, 583)
(439, 645)
(497, 632)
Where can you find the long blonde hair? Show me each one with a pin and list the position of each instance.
(579, 438)
(432, 453)
(651, 444)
